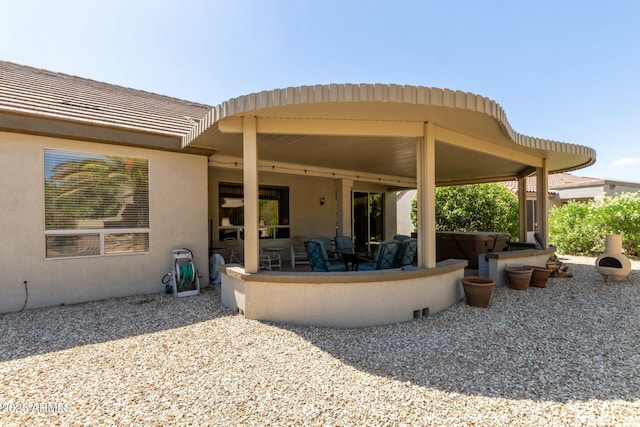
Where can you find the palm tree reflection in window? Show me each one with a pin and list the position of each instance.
(85, 191)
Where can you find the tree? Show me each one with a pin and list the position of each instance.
(477, 207)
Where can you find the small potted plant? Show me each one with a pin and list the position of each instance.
(478, 290)
(519, 277)
(539, 276)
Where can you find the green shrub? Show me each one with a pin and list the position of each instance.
(573, 229)
(580, 228)
(478, 207)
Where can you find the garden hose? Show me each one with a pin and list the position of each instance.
(185, 273)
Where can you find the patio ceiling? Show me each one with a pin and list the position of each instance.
(372, 130)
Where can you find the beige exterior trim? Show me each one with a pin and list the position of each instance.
(227, 162)
(326, 127)
(479, 145)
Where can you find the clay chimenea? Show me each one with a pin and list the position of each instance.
(612, 264)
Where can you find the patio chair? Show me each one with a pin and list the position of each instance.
(326, 241)
(298, 251)
(401, 237)
(319, 259)
(270, 261)
(407, 252)
(344, 244)
(384, 258)
(236, 254)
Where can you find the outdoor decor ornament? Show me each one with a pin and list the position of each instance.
(612, 264)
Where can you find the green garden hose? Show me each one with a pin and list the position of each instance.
(186, 274)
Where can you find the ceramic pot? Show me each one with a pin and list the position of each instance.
(478, 290)
(519, 277)
(539, 276)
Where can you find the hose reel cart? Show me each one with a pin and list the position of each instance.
(184, 277)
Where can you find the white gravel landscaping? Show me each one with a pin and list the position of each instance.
(568, 354)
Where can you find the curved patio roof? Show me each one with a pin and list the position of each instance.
(371, 130)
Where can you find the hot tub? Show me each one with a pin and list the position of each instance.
(462, 245)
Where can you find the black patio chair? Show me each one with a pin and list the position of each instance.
(407, 252)
(319, 259)
(384, 258)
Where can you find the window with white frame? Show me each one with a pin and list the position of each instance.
(95, 204)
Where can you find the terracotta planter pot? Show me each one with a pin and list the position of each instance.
(478, 290)
(539, 276)
(519, 277)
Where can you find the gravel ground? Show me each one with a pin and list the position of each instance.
(568, 354)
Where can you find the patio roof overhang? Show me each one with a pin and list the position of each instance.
(369, 131)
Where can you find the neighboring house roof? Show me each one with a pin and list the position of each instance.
(530, 181)
(559, 181)
(31, 99)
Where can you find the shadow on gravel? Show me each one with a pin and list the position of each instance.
(576, 339)
(51, 329)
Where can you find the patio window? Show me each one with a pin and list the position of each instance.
(273, 211)
(95, 204)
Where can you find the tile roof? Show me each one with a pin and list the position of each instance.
(531, 185)
(559, 179)
(41, 93)
(555, 180)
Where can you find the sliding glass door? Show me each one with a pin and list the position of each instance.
(368, 219)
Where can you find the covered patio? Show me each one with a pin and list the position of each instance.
(394, 137)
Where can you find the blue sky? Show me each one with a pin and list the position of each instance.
(564, 70)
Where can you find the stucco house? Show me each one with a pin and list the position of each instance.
(260, 169)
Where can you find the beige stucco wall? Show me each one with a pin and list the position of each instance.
(593, 192)
(498, 261)
(615, 189)
(307, 216)
(178, 218)
(404, 201)
(343, 299)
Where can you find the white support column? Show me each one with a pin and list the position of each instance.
(250, 175)
(344, 207)
(426, 177)
(542, 203)
(522, 205)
